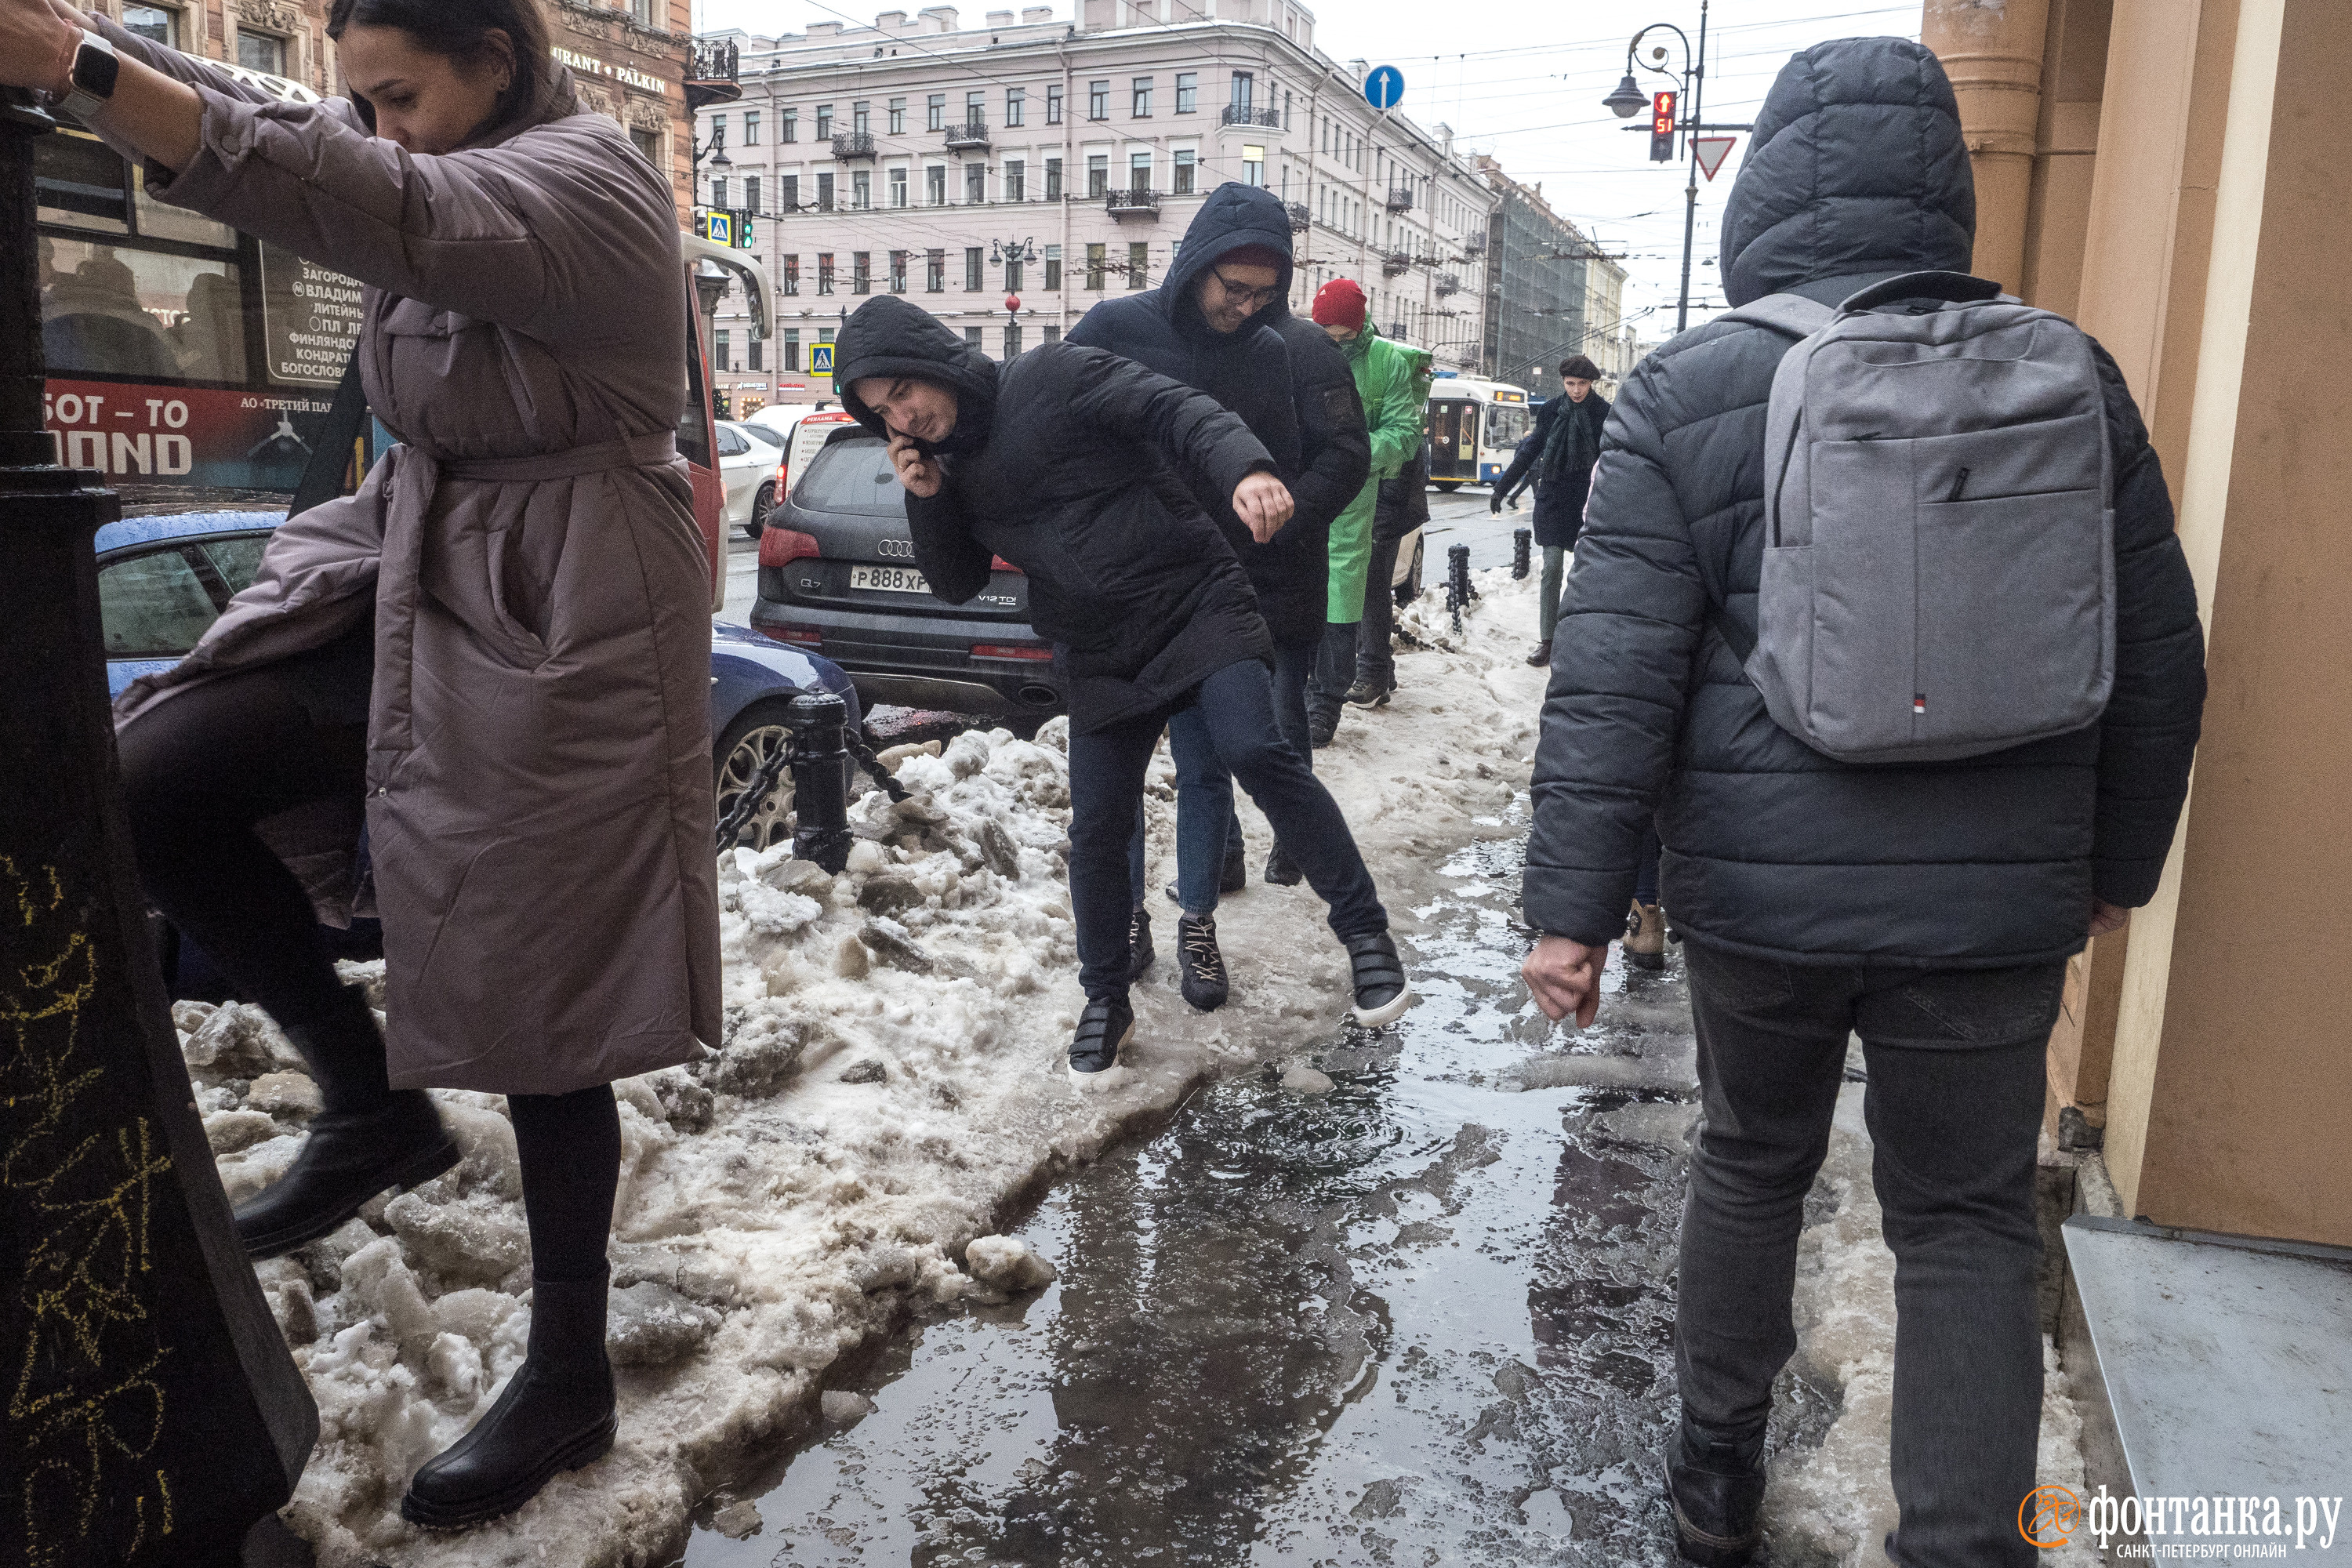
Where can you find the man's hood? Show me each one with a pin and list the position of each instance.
(1233, 216)
(890, 336)
(1856, 166)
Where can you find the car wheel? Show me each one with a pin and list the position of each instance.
(1410, 589)
(1448, 486)
(756, 734)
(762, 505)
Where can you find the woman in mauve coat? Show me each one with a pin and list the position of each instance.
(501, 644)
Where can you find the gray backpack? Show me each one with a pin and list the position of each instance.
(1939, 551)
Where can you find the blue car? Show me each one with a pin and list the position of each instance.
(163, 580)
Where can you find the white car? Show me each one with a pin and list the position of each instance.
(749, 467)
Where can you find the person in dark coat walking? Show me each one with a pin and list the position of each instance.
(1558, 455)
(1077, 466)
(1929, 908)
(1217, 323)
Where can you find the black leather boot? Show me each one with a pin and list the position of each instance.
(1233, 875)
(556, 1414)
(1378, 975)
(1716, 1484)
(1139, 952)
(349, 1157)
(1281, 870)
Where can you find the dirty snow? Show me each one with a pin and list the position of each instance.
(889, 1085)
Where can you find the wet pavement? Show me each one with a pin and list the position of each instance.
(1422, 1318)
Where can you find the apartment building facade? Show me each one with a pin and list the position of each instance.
(1008, 177)
(1550, 291)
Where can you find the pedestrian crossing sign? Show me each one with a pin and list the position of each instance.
(821, 359)
(718, 228)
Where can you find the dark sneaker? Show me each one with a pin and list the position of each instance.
(1233, 875)
(1542, 655)
(348, 1158)
(1201, 966)
(1281, 870)
(1103, 1030)
(1382, 994)
(1139, 944)
(1367, 694)
(1320, 728)
(1715, 1486)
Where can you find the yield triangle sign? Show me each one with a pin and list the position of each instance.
(1710, 152)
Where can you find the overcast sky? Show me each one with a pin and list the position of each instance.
(1524, 83)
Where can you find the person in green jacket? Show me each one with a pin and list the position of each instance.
(1393, 383)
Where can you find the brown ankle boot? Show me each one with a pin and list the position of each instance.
(1542, 656)
(1645, 937)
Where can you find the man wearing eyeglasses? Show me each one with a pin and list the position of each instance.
(1221, 322)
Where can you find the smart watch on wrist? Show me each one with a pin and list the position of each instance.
(91, 83)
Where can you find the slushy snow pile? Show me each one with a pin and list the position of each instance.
(890, 1087)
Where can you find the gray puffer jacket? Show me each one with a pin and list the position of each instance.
(1857, 172)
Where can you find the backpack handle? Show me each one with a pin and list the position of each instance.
(1958, 287)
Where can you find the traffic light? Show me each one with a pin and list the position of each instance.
(721, 404)
(1661, 128)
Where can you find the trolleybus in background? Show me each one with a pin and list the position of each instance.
(1473, 427)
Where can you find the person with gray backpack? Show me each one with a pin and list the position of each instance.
(1878, 612)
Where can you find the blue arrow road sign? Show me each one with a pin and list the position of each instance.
(1384, 87)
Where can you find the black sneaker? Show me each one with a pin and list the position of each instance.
(1200, 965)
(1715, 1487)
(1366, 694)
(1320, 728)
(1103, 1030)
(1382, 994)
(1233, 875)
(1139, 944)
(1280, 870)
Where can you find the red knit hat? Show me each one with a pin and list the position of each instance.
(1254, 256)
(1339, 303)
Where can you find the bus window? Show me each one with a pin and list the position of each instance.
(1506, 424)
(154, 606)
(160, 219)
(130, 312)
(81, 181)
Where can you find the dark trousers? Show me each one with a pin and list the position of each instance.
(1106, 770)
(1375, 641)
(199, 771)
(1954, 1106)
(1334, 669)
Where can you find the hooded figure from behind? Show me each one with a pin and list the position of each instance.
(1928, 908)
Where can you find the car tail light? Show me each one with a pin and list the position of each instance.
(1026, 652)
(798, 636)
(782, 546)
(999, 563)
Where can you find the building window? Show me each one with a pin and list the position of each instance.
(1052, 268)
(825, 122)
(898, 187)
(1098, 100)
(1138, 265)
(793, 273)
(1244, 90)
(717, 190)
(861, 272)
(975, 183)
(648, 142)
(1011, 272)
(1254, 166)
(1097, 263)
(1016, 105)
(261, 52)
(897, 117)
(1098, 175)
(720, 350)
(1016, 180)
(1187, 171)
(1188, 92)
(157, 23)
(791, 194)
(792, 125)
(1053, 334)
(935, 185)
(751, 128)
(935, 109)
(1285, 108)
(1140, 97)
(825, 192)
(1053, 106)
(788, 353)
(899, 271)
(1011, 339)
(1053, 179)
(971, 339)
(972, 278)
(751, 194)
(824, 271)
(975, 108)
(1139, 171)
(752, 348)
(824, 335)
(935, 271)
(861, 117)
(861, 188)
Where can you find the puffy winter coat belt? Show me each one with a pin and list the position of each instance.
(655, 448)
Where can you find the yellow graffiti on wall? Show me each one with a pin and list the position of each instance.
(85, 1403)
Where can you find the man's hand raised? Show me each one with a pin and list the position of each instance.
(1262, 503)
(920, 474)
(1566, 978)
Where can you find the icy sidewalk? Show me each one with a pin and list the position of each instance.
(891, 1082)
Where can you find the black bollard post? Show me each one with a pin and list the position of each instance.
(1520, 541)
(820, 780)
(152, 1413)
(1457, 582)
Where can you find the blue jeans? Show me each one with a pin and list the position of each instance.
(1206, 821)
(1236, 706)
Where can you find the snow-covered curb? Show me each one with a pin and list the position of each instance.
(890, 1085)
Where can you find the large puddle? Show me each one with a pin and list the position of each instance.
(1422, 1318)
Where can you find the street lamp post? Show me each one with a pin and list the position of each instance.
(1628, 99)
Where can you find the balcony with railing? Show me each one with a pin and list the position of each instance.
(1473, 245)
(710, 74)
(968, 136)
(1133, 202)
(1400, 198)
(1396, 262)
(1448, 284)
(1396, 331)
(847, 144)
(1299, 217)
(1246, 114)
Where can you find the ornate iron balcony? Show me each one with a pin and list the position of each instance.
(1135, 202)
(710, 74)
(1449, 284)
(1243, 114)
(1299, 217)
(1400, 198)
(1394, 262)
(971, 133)
(853, 144)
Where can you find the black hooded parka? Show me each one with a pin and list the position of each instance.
(1079, 468)
(1856, 173)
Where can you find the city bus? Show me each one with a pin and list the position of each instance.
(1473, 427)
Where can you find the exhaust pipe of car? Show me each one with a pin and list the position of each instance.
(818, 720)
(1038, 696)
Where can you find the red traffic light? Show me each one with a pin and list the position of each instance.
(1661, 128)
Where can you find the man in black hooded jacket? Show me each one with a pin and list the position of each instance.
(1079, 466)
(1929, 908)
(1217, 321)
